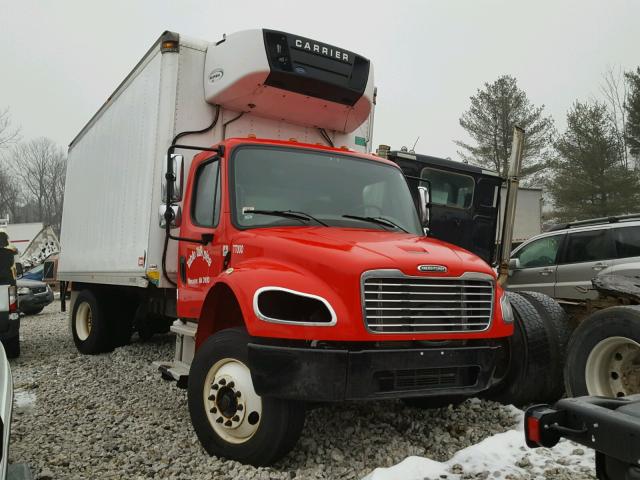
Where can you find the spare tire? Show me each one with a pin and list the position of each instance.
(556, 322)
(603, 357)
(528, 356)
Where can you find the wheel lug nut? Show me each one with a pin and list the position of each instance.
(235, 418)
(215, 386)
(231, 384)
(239, 407)
(214, 410)
(212, 397)
(219, 420)
(227, 423)
(222, 381)
(238, 394)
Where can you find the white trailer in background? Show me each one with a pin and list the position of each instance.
(528, 213)
(22, 234)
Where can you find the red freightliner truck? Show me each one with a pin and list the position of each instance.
(226, 192)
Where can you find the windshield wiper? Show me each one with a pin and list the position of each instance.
(378, 220)
(287, 214)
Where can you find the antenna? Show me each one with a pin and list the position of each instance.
(413, 149)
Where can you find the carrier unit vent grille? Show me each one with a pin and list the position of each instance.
(398, 304)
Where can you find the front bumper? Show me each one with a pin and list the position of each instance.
(34, 301)
(334, 374)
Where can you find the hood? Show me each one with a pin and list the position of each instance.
(351, 249)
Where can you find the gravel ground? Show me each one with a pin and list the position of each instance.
(112, 416)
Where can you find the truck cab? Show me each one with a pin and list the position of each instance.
(318, 256)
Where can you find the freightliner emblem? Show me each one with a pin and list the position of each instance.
(432, 268)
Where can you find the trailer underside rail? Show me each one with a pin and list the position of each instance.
(611, 426)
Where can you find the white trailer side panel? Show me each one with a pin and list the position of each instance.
(528, 213)
(110, 181)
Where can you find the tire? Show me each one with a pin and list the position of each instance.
(121, 315)
(556, 322)
(12, 347)
(605, 343)
(34, 311)
(429, 403)
(529, 357)
(265, 429)
(89, 325)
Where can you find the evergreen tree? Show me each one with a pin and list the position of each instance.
(495, 110)
(590, 178)
(633, 114)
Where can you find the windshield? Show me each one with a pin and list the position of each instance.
(324, 186)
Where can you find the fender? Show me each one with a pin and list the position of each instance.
(229, 302)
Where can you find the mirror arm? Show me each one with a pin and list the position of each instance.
(171, 176)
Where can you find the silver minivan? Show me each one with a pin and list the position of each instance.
(562, 262)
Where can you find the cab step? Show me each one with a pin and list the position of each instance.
(178, 369)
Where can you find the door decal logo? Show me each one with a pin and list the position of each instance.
(198, 266)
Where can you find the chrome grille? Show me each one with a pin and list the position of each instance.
(401, 304)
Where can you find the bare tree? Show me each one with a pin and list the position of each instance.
(9, 191)
(9, 195)
(39, 166)
(614, 90)
(8, 133)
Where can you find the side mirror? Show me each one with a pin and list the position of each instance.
(177, 173)
(425, 204)
(176, 215)
(514, 264)
(19, 269)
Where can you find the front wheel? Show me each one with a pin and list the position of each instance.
(229, 417)
(603, 357)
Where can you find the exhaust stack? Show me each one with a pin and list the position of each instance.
(513, 180)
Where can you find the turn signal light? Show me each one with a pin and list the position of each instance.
(533, 429)
(169, 46)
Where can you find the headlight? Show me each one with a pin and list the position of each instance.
(507, 311)
(24, 291)
(281, 305)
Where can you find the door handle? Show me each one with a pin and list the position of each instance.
(599, 266)
(546, 272)
(183, 269)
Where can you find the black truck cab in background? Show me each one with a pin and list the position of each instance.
(465, 200)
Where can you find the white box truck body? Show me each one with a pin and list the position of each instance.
(110, 230)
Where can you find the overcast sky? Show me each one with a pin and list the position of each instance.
(60, 60)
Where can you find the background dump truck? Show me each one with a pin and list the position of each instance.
(226, 191)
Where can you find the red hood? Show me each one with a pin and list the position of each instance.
(349, 249)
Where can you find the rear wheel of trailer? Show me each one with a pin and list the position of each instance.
(230, 419)
(603, 357)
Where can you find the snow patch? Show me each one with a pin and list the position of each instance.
(501, 455)
(24, 399)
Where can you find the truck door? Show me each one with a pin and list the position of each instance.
(199, 264)
(451, 205)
